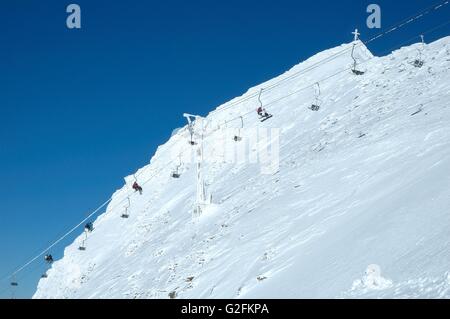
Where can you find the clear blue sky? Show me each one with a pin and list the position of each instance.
(81, 109)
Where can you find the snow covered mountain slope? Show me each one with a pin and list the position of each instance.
(359, 206)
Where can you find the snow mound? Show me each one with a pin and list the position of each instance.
(372, 280)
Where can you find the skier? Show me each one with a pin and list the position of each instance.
(48, 258)
(137, 188)
(89, 227)
(262, 112)
(263, 115)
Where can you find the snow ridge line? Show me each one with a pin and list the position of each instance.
(433, 8)
(395, 27)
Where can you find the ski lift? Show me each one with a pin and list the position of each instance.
(238, 138)
(176, 173)
(49, 259)
(355, 63)
(14, 283)
(263, 115)
(87, 229)
(316, 105)
(191, 122)
(419, 62)
(136, 186)
(126, 215)
(192, 142)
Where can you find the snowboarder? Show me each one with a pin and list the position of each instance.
(137, 188)
(48, 258)
(89, 227)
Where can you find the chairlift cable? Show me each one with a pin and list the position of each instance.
(21, 268)
(337, 73)
(391, 29)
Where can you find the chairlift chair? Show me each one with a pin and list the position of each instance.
(357, 72)
(191, 122)
(192, 142)
(82, 247)
(126, 215)
(14, 284)
(136, 186)
(266, 115)
(355, 63)
(419, 62)
(176, 172)
(316, 105)
(49, 260)
(176, 175)
(238, 138)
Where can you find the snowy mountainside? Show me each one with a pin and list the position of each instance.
(358, 207)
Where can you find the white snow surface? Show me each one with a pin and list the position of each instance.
(359, 207)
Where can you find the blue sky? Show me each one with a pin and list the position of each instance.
(81, 109)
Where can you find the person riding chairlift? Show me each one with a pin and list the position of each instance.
(89, 227)
(48, 258)
(137, 188)
(262, 112)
